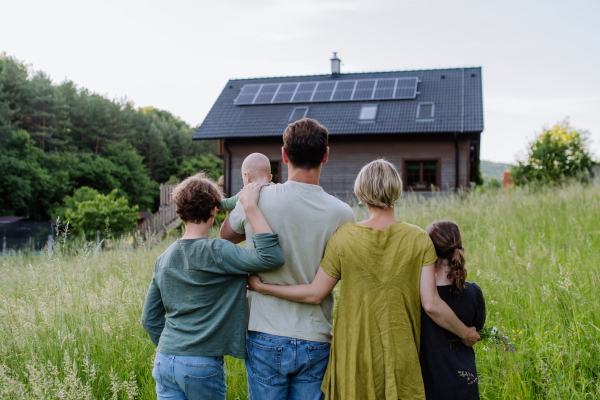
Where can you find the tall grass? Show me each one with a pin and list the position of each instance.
(70, 320)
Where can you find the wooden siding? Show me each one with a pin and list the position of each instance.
(349, 155)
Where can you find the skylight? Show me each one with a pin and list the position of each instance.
(368, 112)
(425, 110)
(298, 113)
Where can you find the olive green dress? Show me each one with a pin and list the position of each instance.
(377, 330)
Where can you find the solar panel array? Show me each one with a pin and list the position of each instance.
(306, 92)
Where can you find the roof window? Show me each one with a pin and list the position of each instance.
(425, 110)
(368, 112)
(298, 113)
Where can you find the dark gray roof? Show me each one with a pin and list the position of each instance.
(458, 107)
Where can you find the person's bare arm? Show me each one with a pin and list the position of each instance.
(314, 293)
(228, 233)
(440, 312)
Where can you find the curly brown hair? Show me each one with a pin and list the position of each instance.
(447, 241)
(305, 142)
(195, 198)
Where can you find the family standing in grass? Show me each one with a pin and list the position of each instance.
(406, 318)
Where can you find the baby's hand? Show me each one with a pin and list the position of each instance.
(250, 194)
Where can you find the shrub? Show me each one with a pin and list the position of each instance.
(558, 153)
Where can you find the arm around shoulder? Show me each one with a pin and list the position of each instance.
(266, 255)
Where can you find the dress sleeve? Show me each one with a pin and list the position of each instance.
(429, 255)
(331, 260)
(479, 318)
(237, 219)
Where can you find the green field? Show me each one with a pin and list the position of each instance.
(70, 321)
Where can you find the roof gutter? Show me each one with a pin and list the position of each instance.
(228, 173)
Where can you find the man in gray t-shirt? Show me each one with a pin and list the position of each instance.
(288, 342)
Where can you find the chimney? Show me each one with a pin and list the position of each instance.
(335, 64)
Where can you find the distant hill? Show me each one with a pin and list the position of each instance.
(493, 170)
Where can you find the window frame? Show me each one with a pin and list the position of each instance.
(427, 103)
(438, 173)
(291, 119)
(278, 162)
(362, 107)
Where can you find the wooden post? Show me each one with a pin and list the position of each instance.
(98, 240)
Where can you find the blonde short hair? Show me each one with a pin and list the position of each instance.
(378, 184)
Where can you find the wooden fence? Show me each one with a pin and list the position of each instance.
(164, 219)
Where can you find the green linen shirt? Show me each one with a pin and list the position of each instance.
(196, 303)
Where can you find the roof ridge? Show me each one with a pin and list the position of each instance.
(352, 73)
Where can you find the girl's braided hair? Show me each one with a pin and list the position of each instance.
(447, 241)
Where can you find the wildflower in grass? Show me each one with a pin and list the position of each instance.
(496, 338)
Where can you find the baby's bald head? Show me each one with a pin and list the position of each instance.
(256, 168)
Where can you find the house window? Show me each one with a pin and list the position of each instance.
(276, 171)
(298, 113)
(368, 113)
(425, 110)
(421, 174)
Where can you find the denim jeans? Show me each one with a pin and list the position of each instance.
(186, 377)
(282, 368)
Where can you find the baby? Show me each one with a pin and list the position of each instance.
(255, 168)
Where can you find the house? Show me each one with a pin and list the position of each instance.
(427, 122)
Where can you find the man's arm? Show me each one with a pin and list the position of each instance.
(228, 233)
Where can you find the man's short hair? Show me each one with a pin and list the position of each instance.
(305, 142)
(195, 198)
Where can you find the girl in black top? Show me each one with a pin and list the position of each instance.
(447, 365)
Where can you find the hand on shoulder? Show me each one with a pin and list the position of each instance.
(250, 194)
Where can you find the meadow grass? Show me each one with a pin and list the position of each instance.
(70, 320)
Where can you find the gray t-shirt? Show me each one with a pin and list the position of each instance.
(305, 217)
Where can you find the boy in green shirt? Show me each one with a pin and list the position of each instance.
(255, 168)
(195, 310)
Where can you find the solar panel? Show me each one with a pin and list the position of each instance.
(364, 90)
(285, 93)
(406, 88)
(247, 94)
(384, 89)
(343, 90)
(304, 92)
(323, 91)
(266, 94)
(340, 90)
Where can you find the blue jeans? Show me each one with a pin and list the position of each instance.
(282, 368)
(186, 377)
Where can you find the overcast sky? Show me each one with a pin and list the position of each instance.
(540, 59)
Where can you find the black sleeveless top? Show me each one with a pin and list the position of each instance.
(448, 366)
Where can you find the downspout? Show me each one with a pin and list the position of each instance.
(228, 173)
(456, 162)
(462, 128)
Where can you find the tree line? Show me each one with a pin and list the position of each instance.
(57, 138)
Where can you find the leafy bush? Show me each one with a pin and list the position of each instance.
(210, 164)
(559, 153)
(101, 212)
